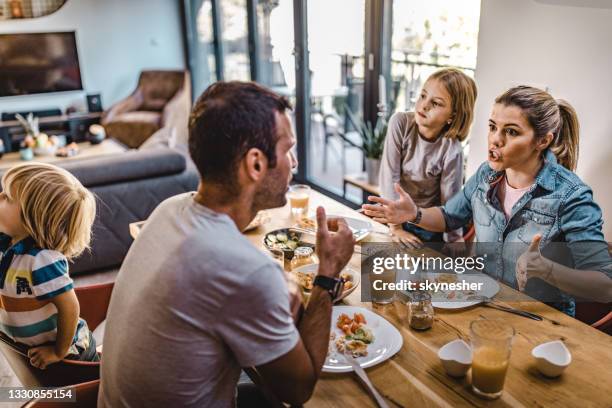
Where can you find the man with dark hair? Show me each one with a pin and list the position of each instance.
(194, 300)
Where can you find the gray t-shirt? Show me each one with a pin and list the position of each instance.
(430, 171)
(193, 302)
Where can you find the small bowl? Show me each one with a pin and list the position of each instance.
(45, 151)
(456, 358)
(287, 231)
(552, 358)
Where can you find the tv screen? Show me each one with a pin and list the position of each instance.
(38, 63)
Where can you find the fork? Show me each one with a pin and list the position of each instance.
(365, 380)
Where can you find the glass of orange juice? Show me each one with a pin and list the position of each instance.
(299, 195)
(491, 345)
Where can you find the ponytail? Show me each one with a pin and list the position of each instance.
(565, 143)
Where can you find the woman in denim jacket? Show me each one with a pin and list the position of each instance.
(525, 196)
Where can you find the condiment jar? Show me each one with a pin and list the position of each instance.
(302, 256)
(420, 310)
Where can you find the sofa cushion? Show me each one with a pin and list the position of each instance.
(128, 166)
(131, 134)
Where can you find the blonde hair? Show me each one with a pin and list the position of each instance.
(545, 114)
(463, 93)
(55, 209)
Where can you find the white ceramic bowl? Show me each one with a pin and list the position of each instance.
(552, 358)
(456, 357)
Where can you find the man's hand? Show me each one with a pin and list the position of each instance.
(334, 249)
(531, 264)
(42, 356)
(399, 235)
(392, 212)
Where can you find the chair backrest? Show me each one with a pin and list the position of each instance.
(158, 87)
(86, 397)
(598, 315)
(94, 301)
(65, 372)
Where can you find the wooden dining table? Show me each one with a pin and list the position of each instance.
(414, 377)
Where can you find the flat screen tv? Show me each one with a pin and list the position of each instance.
(32, 63)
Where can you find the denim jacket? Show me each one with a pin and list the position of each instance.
(558, 205)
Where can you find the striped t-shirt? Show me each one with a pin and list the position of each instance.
(29, 278)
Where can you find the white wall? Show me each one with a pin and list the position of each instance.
(116, 39)
(567, 49)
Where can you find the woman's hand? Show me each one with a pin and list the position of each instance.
(399, 235)
(392, 212)
(42, 356)
(531, 264)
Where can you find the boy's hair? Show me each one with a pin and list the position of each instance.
(55, 209)
(463, 93)
(545, 114)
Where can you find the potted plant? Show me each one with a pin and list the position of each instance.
(35, 142)
(373, 141)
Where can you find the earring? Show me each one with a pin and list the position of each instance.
(449, 121)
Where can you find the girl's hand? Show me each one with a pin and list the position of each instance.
(393, 212)
(531, 264)
(399, 235)
(42, 356)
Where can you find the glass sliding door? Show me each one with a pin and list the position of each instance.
(200, 44)
(427, 36)
(336, 62)
(234, 40)
(276, 43)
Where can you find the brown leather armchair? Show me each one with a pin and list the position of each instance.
(135, 118)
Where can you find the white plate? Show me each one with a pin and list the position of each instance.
(313, 268)
(387, 341)
(362, 226)
(261, 218)
(490, 289)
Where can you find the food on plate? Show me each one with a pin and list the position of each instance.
(283, 241)
(357, 336)
(307, 223)
(348, 280)
(446, 278)
(451, 294)
(305, 280)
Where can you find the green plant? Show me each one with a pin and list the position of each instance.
(373, 137)
(30, 124)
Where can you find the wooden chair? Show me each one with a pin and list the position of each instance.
(94, 302)
(86, 397)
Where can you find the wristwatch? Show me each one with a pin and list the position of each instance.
(333, 286)
(418, 217)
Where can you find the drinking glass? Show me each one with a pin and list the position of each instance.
(299, 195)
(491, 345)
(382, 295)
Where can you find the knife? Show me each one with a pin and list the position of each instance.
(361, 374)
(523, 313)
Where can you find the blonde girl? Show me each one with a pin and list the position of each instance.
(423, 152)
(46, 217)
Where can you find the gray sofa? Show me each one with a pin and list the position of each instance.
(128, 187)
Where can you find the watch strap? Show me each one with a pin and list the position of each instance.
(418, 216)
(331, 285)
